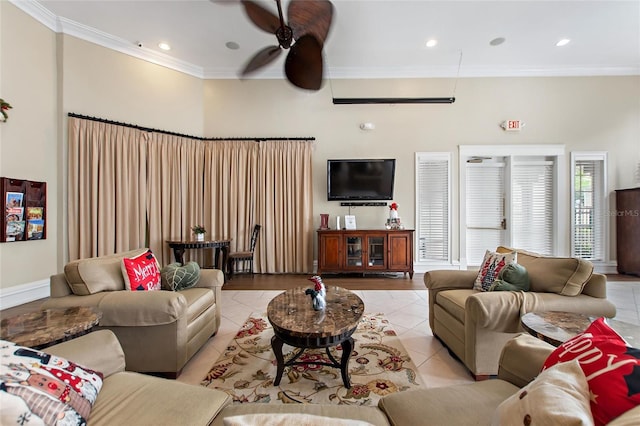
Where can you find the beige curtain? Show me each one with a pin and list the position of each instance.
(106, 188)
(130, 188)
(231, 181)
(284, 207)
(172, 189)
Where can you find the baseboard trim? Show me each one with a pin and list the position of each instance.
(23, 293)
(605, 267)
(426, 267)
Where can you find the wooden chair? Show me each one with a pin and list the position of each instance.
(246, 257)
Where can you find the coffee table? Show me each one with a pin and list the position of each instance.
(556, 327)
(41, 329)
(297, 324)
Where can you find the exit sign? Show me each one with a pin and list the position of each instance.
(512, 125)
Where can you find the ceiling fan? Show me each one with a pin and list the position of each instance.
(303, 35)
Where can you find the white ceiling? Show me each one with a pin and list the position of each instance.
(370, 38)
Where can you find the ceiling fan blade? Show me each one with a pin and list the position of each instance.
(260, 59)
(310, 17)
(264, 19)
(303, 66)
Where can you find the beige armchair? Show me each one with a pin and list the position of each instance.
(475, 325)
(159, 330)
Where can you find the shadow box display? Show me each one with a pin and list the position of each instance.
(25, 208)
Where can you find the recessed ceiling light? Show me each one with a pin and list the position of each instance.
(497, 41)
(232, 45)
(164, 46)
(563, 42)
(432, 42)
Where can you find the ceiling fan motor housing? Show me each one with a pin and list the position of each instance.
(285, 36)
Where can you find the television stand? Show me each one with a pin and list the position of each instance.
(367, 250)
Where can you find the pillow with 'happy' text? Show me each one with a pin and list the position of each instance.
(611, 366)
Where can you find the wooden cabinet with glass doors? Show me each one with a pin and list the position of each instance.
(365, 251)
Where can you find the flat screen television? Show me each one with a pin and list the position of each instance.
(370, 179)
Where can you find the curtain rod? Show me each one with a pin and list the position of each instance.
(166, 132)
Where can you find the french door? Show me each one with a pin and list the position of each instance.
(509, 200)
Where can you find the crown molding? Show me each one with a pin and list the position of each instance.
(471, 72)
(69, 27)
(586, 71)
(130, 48)
(83, 32)
(38, 12)
(435, 72)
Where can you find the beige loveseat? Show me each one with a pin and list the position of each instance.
(167, 402)
(158, 330)
(475, 325)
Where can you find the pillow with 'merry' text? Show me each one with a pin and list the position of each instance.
(142, 272)
(612, 369)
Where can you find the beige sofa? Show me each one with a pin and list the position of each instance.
(475, 325)
(167, 402)
(158, 330)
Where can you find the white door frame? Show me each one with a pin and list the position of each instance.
(562, 191)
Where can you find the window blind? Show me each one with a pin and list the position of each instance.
(433, 210)
(588, 208)
(532, 206)
(484, 208)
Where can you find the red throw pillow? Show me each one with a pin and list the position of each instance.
(611, 366)
(141, 273)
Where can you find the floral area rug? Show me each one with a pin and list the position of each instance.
(379, 365)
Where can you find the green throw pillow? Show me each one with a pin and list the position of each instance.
(176, 277)
(513, 277)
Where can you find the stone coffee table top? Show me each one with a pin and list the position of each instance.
(556, 327)
(293, 313)
(44, 328)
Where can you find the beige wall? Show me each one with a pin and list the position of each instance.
(599, 113)
(45, 76)
(28, 140)
(584, 114)
(103, 83)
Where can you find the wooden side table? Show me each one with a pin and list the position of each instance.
(296, 323)
(41, 329)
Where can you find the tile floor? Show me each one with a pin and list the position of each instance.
(407, 310)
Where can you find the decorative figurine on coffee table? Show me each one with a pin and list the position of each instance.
(318, 285)
(316, 299)
(317, 293)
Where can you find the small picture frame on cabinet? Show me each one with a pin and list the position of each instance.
(349, 222)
